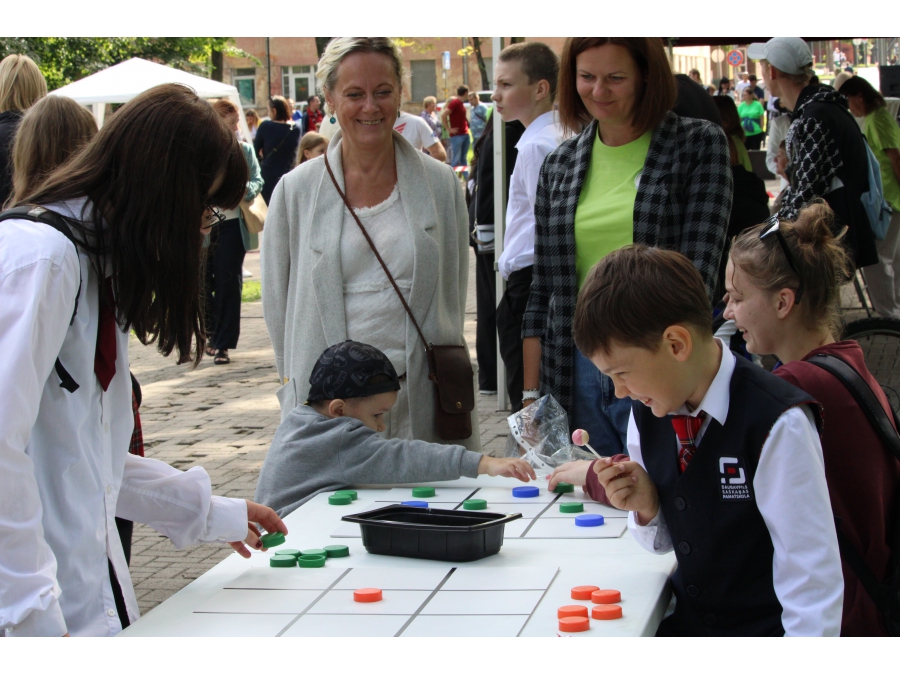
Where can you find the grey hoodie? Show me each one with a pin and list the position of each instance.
(311, 453)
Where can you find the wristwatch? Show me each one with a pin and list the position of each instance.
(531, 394)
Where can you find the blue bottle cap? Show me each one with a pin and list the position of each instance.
(526, 491)
(589, 520)
(418, 505)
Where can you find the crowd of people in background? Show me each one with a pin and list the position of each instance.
(634, 216)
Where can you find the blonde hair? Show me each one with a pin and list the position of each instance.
(429, 99)
(52, 130)
(21, 83)
(310, 141)
(341, 47)
(820, 258)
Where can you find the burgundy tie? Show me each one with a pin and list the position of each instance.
(105, 354)
(686, 428)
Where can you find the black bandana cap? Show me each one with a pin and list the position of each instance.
(344, 370)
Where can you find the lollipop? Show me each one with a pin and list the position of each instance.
(580, 437)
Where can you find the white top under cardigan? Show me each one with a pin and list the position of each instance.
(65, 471)
(303, 280)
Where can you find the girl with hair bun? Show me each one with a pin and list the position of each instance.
(783, 283)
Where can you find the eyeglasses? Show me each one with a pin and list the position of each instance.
(212, 216)
(774, 227)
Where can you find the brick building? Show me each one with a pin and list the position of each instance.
(290, 69)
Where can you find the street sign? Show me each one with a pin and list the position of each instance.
(735, 58)
(717, 55)
(446, 60)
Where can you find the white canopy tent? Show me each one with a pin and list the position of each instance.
(122, 82)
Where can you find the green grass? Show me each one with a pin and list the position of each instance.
(251, 291)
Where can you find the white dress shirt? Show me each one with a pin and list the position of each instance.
(792, 496)
(65, 471)
(540, 138)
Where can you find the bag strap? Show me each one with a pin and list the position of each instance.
(864, 396)
(879, 591)
(38, 214)
(377, 255)
(284, 138)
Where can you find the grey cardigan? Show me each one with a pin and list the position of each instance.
(302, 283)
(311, 453)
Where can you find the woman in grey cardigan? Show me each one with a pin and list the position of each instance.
(321, 282)
(636, 173)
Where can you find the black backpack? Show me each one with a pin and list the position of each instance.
(885, 593)
(39, 214)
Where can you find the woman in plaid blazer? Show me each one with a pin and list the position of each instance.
(620, 90)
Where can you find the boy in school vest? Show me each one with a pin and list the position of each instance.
(726, 467)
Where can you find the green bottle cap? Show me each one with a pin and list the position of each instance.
(423, 492)
(571, 507)
(337, 551)
(311, 561)
(352, 493)
(339, 499)
(282, 561)
(474, 504)
(314, 551)
(272, 539)
(562, 488)
(289, 551)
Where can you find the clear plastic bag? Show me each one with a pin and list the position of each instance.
(539, 434)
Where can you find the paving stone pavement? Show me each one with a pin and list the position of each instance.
(223, 418)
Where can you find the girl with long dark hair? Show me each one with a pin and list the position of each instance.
(137, 201)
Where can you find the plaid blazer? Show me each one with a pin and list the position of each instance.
(683, 203)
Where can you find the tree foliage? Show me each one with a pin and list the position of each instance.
(64, 60)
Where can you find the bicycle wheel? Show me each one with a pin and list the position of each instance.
(879, 338)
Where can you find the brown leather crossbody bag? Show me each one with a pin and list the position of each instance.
(449, 366)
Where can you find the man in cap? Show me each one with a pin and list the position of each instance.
(825, 147)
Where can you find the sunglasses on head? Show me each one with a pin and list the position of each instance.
(773, 226)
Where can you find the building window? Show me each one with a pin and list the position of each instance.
(424, 79)
(298, 82)
(245, 81)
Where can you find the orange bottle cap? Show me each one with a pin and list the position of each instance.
(367, 595)
(572, 610)
(574, 624)
(607, 596)
(606, 612)
(583, 592)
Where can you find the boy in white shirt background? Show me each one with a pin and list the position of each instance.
(524, 89)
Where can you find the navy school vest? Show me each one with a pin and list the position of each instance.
(723, 584)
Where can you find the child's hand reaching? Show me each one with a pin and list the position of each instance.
(570, 472)
(506, 466)
(628, 487)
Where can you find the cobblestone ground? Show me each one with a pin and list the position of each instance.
(223, 418)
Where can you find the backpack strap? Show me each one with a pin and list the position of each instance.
(38, 214)
(880, 591)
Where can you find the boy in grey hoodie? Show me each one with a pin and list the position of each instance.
(332, 440)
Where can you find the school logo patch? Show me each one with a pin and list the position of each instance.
(733, 479)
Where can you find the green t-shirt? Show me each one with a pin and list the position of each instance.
(604, 218)
(753, 112)
(743, 157)
(882, 132)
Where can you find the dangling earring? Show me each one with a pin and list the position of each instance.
(331, 119)
(398, 112)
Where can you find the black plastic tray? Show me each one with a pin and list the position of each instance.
(435, 534)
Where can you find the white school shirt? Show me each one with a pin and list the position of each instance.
(415, 130)
(540, 139)
(65, 470)
(792, 496)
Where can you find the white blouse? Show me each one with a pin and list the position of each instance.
(373, 312)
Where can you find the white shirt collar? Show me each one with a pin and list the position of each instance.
(718, 396)
(535, 127)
